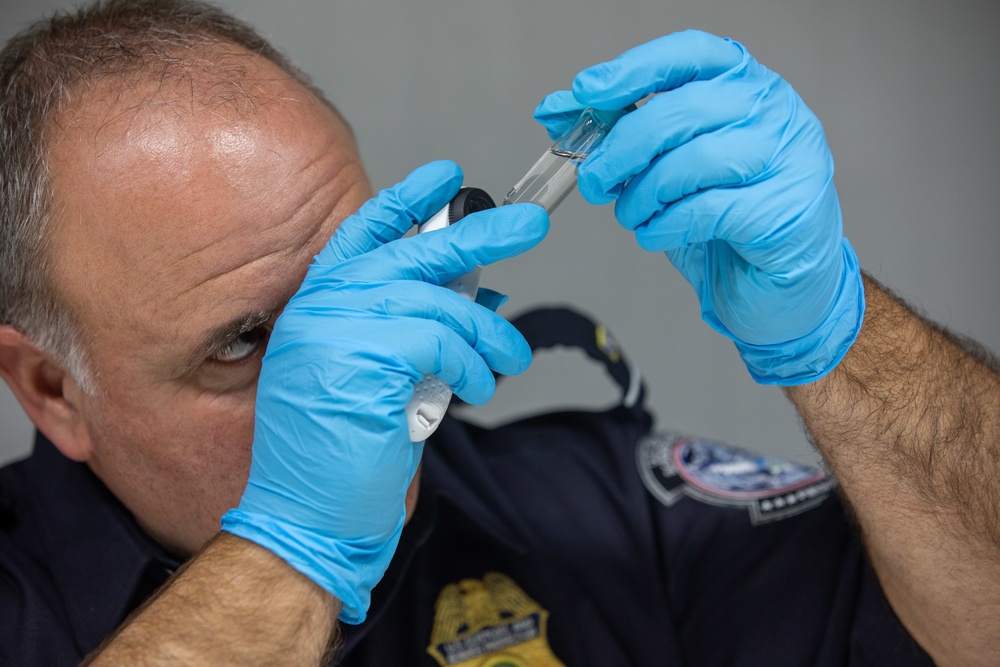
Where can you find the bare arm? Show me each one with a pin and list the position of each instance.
(234, 604)
(910, 424)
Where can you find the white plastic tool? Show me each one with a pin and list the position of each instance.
(431, 396)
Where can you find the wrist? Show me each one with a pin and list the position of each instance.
(812, 356)
(234, 603)
(347, 569)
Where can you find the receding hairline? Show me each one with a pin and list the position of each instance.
(119, 40)
(221, 77)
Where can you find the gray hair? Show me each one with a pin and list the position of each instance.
(39, 69)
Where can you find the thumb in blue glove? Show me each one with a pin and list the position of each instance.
(726, 170)
(332, 457)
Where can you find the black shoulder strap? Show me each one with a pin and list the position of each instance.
(550, 327)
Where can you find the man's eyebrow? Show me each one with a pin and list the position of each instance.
(216, 339)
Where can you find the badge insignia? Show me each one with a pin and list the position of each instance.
(490, 623)
(771, 488)
(608, 344)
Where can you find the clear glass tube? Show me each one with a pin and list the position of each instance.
(553, 176)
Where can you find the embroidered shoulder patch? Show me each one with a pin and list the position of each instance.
(674, 466)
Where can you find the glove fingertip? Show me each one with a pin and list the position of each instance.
(439, 173)
(426, 190)
(594, 190)
(490, 299)
(557, 112)
(517, 360)
(555, 104)
(525, 225)
(536, 226)
(523, 357)
(599, 86)
(478, 392)
(443, 167)
(582, 91)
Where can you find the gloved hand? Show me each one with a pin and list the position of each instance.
(727, 171)
(332, 457)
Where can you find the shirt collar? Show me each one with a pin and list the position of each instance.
(101, 562)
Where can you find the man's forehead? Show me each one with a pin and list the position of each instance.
(164, 199)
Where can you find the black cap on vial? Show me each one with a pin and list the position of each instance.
(468, 200)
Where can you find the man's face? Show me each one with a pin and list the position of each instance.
(185, 217)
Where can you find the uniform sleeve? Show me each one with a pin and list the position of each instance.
(760, 563)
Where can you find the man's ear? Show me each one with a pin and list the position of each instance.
(46, 391)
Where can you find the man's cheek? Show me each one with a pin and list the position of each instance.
(229, 431)
(218, 416)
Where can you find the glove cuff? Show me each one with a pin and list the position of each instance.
(813, 356)
(347, 570)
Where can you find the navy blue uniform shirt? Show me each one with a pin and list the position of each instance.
(567, 539)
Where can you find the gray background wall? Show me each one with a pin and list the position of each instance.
(907, 91)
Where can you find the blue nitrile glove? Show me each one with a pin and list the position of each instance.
(332, 457)
(727, 171)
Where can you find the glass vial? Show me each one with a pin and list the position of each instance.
(553, 176)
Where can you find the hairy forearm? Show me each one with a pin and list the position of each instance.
(233, 604)
(910, 424)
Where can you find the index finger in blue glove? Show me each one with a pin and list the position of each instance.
(557, 112)
(722, 214)
(393, 211)
(662, 64)
(723, 159)
(660, 126)
(492, 337)
(435, 348)
(436, 257)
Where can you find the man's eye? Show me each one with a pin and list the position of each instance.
(242, 347)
